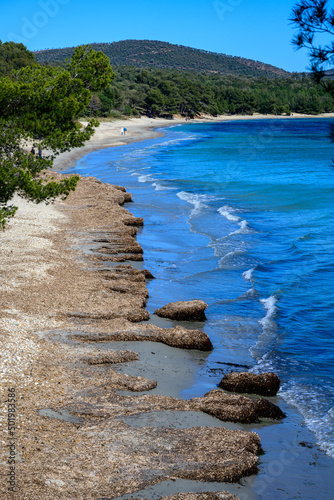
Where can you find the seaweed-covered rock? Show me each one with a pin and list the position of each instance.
(227, 407)
(236, 408)
(133, 221)
(186, 339)
(183, 310)
(266, 409)
(130, 383)
(127, 197)
(138, 315)
(264, 384)
(148, 275)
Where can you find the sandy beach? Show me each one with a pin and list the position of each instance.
(66, 323)
(95, 387)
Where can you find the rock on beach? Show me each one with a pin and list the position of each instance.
(184, 310)
(264, 384)
(236, 408)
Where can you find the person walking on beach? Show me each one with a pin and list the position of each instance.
(32, 151)
(122, 131)
(40, 152)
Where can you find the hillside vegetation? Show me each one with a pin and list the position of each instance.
(163, 55)
(161, 79)
(159, 92)
(14, 56)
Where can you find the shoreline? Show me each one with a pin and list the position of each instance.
(68, 238)
(108, 134)
(291, 458)
(60, 303)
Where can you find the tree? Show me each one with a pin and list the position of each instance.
(41, 105)
(94, 105)
(314, 17)
(14, 56)
(155, 101)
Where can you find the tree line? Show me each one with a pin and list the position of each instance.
(164, 93)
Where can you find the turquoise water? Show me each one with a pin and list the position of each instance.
(241, 215)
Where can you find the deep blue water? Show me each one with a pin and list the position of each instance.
(241, 215)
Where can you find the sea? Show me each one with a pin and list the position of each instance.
(240, 214)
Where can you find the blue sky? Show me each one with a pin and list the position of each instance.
(254, 29)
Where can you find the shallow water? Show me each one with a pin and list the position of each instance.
(241, 215)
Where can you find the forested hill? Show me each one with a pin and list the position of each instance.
(163, 55)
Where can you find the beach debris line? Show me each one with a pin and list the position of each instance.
(179, 336)
(134, 384)
(217, 403)
(264, 384)
(192, 310)
(111, 357)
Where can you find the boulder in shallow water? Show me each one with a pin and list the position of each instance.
(186, 339)
(264, 384)
(184, 310)
(236, 408)
(227, 407)
(266, 409)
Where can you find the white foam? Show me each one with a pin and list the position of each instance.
(145, 178)
(161, 187)
(264, 364)
(136, 172)
(180, 139)
(229, 257)
(197, 200)
(270, 305)
(243, 224)
(226, 212)
(320, 421)
(249, 294)
(269, 329)
(243, 228)
(248, 275)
